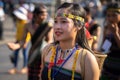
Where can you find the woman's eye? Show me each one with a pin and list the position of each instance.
(64, 21)
(61, 21)
(55, 21)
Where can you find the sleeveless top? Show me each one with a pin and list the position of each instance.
(61, 72)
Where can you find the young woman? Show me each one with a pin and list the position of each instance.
(94, 28)
(21, 21)
(111, 43)
(40, 37)
(61, 60)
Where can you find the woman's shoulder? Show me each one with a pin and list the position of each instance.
(48, 47)
(88, 55)
(90, 59)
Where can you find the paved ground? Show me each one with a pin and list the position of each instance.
(9, 30)
(5, 65)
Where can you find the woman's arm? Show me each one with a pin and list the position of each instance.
(14, 46)
(97, 38)
(116, 32)
(92, 71)
(45, 52)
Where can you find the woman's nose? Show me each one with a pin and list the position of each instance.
(57, 25)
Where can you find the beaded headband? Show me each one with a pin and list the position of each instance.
(112, 9)
(71, 16)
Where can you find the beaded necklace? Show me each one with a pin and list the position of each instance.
(53, 60)
(62, 56)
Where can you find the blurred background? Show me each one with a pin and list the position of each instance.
(97, 8)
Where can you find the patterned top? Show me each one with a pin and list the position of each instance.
(63, 74)
(58, 72)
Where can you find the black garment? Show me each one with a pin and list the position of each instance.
(1, 30)
(60, 75)
(111, 67)
(34, 70)
(38, 32)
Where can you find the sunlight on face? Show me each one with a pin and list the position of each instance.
(64, 27)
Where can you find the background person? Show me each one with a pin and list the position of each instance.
(94, 28)
(21, 21)
(42, 35)
(111, 43)
(40, 29)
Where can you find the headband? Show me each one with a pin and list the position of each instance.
(71, 16)
(113, 9)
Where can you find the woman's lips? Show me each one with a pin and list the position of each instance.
(57, 33)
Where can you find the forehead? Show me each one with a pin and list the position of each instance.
(43, 10)
(112, 13)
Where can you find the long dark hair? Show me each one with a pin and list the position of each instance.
(77, 10)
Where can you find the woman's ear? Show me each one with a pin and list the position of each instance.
(78, 28)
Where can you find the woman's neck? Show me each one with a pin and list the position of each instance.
(67, 45)
(90, 19)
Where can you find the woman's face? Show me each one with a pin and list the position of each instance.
(113, 17)
(64, 28)
(42, 16)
